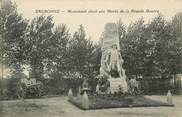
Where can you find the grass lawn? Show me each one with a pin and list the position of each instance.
(103, 101)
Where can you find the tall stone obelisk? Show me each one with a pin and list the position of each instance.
(111, 60)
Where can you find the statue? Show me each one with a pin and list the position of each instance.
(111, 60)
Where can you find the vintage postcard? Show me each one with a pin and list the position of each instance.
(90, 58)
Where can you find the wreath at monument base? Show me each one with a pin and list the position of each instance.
(104, 87)
(103, 84)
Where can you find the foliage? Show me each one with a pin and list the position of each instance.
(80, 51)
(39, 37)
(177, 26)
(57, 59)
(12, 33)
(151, 49)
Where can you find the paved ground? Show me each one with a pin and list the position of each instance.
(59, 107)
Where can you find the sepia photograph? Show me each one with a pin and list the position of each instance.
(91, 58)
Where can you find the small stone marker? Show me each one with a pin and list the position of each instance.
(85, 101)
(169, 97)
(70, 94)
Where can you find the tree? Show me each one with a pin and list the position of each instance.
(57, 53)
(165, 55)
(152, 49)
(80, 51)
(95, 58)
(131, 50)
(177, 26)
(12, 33)
(38, 44)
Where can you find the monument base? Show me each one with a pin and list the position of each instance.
(117, 84)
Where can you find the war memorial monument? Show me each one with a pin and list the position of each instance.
(113, 88)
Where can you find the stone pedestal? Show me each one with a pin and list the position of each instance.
(116, 84)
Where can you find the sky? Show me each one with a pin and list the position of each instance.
(94, 22)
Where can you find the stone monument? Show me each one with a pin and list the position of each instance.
(111, 60)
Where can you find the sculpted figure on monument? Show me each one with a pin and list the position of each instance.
(114, 62)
